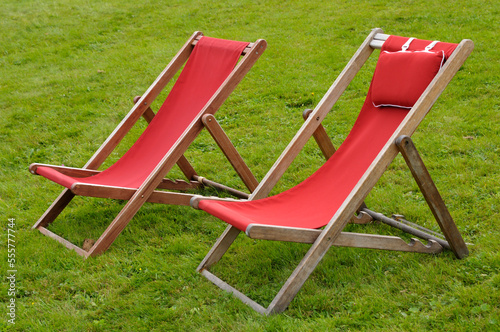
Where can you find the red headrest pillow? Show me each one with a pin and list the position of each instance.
(401, 77)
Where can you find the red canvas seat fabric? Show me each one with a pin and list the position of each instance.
(312, 203)
(208, 66)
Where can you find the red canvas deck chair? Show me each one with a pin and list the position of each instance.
(317, 210)
(213, 69)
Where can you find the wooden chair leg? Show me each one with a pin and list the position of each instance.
(299, 276)
(230, 152)
(219, 248)
(215, 254)
(432, 196)
(55, 209)
(119, 223)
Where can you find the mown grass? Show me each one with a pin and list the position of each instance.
(68, 72)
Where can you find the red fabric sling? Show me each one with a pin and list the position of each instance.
(312, 203)
(210, 63)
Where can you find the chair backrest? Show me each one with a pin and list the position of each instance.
(209, 65)
(327, 189)
(375, 40)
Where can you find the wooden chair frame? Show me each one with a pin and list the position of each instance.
(148, 191)
(331, 234)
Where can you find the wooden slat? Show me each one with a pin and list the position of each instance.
(80, 172)
(55, 208)
(219, 248)
(63, 241)
(161, 197)
(280, 233)
(381, 36)
(165, 197)
(384, 242)
(228, 288)
(432, 196)
(230, 151)
(362, 218)
(186, 168)
(69, 171)
(345, 239)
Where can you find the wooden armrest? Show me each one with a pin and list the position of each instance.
(195, 200)
(70, 171)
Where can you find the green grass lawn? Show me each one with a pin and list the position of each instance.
(68, 73)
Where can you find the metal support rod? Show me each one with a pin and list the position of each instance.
(232, 191)
(400, 218)
(406, 228)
